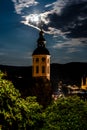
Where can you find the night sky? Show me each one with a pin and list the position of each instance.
(63, 21)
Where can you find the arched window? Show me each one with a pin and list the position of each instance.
(37, 59)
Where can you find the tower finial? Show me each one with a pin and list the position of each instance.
(41, 40)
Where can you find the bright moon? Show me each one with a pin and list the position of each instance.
(34, 18)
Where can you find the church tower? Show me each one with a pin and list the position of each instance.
(84, 83)
(41, 58)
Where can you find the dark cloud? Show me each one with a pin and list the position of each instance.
(72, 19)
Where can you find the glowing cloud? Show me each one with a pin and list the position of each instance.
(56, 17)
(36, 20)
(33, 18)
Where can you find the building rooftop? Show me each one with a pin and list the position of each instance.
(41, 50)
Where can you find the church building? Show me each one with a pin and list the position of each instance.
(41, 58)
(84, 84)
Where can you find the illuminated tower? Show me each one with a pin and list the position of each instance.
(41, 59)
(84, 84)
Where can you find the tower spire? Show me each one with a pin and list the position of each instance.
(41, 40)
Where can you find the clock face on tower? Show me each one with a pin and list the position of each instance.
(43, 59)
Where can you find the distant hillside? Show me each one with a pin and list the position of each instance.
(20, 76)
(70, 73)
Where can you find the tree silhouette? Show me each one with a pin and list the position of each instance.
(17, 113)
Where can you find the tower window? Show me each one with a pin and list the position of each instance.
(43, 69)
(37, 69)
(43, 59)
(37, 59)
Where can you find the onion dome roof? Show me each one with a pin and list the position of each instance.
(41, 49)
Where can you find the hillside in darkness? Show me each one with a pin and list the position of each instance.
(70, 73)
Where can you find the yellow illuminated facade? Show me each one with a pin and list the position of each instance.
(41, 59)
(84, 84)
